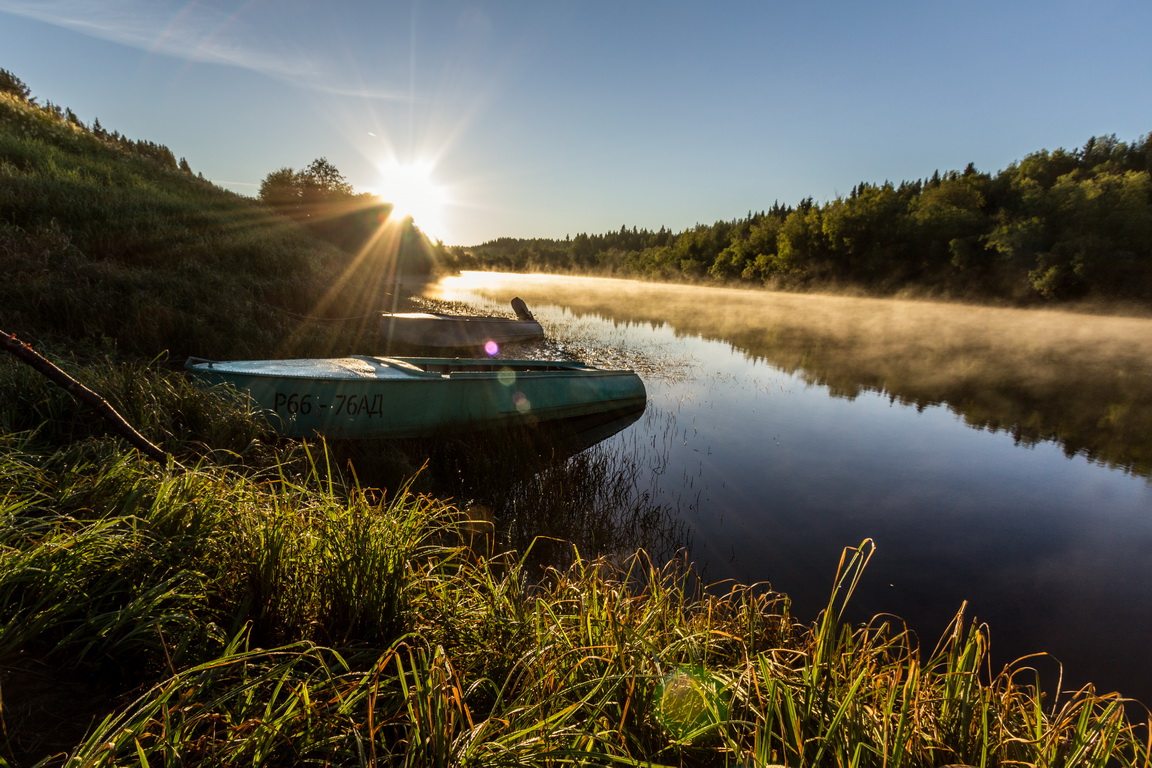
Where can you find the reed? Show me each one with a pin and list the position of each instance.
(264, 605)
(592, 672)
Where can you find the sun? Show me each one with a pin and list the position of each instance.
(412, 191)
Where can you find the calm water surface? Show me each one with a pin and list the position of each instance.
(998, 459)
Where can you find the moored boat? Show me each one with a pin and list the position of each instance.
(392, 397)
(433, 330)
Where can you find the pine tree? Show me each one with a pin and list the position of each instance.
(9, 83)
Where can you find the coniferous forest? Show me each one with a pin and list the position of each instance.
(1056, 226)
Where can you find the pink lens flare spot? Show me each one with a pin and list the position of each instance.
(491, 348)
(523, 405)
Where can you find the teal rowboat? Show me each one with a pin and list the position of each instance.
(437, 333)
(392, 397)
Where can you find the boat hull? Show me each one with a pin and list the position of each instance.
(436, 331)
(364, 397)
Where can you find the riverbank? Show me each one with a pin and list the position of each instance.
(255, 601)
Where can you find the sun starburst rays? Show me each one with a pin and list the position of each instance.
(414, 193)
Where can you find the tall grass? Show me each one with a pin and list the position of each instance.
(163, 405)
(585, 669)
(257, 603)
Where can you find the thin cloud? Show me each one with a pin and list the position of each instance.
(190, 32)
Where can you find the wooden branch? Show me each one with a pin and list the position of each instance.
(10, 343)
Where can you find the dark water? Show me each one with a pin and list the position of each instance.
(998, 459)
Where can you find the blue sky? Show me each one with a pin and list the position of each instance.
(547, 118)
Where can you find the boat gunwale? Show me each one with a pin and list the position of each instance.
(476, 369)
(436, 316)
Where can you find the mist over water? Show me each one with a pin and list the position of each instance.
(1000, 459)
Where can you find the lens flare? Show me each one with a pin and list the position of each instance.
(491, 348)
(691, 703)
(413, 193)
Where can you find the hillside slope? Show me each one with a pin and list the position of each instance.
(104, 243)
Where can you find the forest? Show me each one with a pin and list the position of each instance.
(1056, 226)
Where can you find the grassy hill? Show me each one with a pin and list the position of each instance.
(102, 244)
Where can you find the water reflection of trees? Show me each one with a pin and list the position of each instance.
(1079, 380)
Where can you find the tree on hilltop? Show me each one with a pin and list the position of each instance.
(280, 189)
(9, 83)
(296, 192)
(322, 180)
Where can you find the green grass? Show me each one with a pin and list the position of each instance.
(261, 605)
(297, 621)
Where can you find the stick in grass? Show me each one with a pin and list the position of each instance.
(10, 343)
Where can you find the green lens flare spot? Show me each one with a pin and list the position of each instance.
(690, 703)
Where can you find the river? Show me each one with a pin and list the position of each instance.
(999, 459)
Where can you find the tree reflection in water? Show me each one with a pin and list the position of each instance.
(1081, 380)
